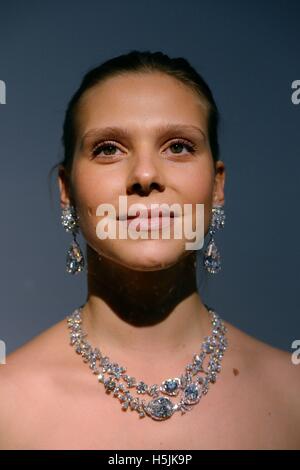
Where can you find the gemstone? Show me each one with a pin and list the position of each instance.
(104, 361)
(160, 408)
(131, 381)
(74, 259)
(171, 386)
(197, 359)
(214, 366)
(141, 387)
(97, 353)
(196, 369)
(183, 381)
(212, 377)
(134, 403)
(200, 380)
(212, 258)
(115, 370)
(208, 347)
(218, 218)
(109, 385)
(69, 219)
(192, 393)
(153, 390)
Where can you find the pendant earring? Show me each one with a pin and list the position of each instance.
(212, 257)
(74, 259)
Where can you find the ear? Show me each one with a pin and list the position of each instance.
(218, 196)
(64, 186)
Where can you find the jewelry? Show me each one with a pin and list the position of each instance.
(74, 258)
(212, 257)
(160, 407)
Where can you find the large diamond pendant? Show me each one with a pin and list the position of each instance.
(160, 408)
(74, 259)
(212, 258)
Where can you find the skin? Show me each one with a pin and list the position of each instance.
(143, 307)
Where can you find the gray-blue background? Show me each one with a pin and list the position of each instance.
(249, 52)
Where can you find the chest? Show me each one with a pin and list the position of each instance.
(216, 422)
(236, 413)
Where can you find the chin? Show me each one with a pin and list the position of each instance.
(149, 257)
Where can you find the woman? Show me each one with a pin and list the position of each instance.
(144, 126)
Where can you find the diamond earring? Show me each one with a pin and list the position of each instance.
(212, 257)
(74, 258)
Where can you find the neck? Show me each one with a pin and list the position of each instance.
(146, 312)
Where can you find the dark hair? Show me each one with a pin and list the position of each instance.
(139, 62)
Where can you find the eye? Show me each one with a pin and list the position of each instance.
(107, 147)
(179, 143)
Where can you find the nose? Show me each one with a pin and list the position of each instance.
(145, 175)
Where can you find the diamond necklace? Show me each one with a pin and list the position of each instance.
(191, 386)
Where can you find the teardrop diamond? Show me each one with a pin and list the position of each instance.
(212, 258)
(74, 259)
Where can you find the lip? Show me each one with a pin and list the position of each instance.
(148, 214)
(150, 223)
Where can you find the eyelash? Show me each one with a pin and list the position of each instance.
(191, 147)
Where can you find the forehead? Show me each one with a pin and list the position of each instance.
(140, 100)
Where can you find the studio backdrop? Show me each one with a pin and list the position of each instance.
(248, 52)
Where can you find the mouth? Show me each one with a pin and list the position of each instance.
(148, 215)
(149, 223)
(150, 219)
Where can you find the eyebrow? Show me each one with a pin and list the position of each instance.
(122, 132)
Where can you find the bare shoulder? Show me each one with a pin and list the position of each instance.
(273, 380)
(277, 365)
(27, 381)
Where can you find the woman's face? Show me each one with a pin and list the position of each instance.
(146, 160)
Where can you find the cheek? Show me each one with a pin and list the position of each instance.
(90, 190)
(199, 190)
(198, 183)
